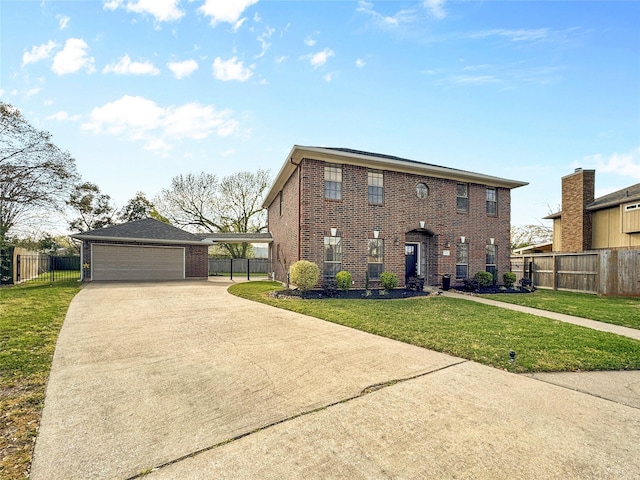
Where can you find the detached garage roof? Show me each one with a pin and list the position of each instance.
(148, 230)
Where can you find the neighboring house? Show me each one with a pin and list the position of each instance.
(368, 213)
(142, 250)
(587, 223)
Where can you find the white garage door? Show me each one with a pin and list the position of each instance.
(134, 262)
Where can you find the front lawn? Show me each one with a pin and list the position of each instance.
(623, 311)
(31, 315)
(469, 330)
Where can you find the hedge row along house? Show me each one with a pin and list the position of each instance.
(367, 213)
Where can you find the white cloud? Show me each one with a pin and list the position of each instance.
(125, 66)
(33, 91)
(228, 11)
(520, 35)
(63, 21)
(161, 10)
(625, 164)
(183, 69)
(320, 58)
(231, 69)
(39, 52)
(63, 116)
(263, 39)
(73, 57)
(159, 128)
(280, 59)
(360, 63)
(329, 76)
(309, 42)
(402, 17)
(436, 8)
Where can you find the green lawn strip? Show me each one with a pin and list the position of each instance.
(469, 330)
(623, 311)
(30, 319)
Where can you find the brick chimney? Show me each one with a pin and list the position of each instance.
(577, 192)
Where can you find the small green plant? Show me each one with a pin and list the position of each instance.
(509, 279)
(484, 278)
(304, 274)
(343, 278)
(388, 280)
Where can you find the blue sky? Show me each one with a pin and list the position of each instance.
(142, 90)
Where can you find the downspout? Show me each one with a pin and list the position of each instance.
(298, 169)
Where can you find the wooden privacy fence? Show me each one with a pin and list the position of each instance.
(604, 272)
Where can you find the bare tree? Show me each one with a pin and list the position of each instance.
(525, 235)
(34, 173)
(202, 203)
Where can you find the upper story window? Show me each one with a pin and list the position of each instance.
(376, 187)
(333, 181)
(492, 201)
(422, 191)
(462, 197)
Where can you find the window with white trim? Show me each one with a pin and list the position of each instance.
(375, 257)
(462, 261)
(333, 181)
(375, 190)
(332, 256)
(492, 201)
(462, 197)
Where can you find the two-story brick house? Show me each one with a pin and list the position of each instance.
(368, 213)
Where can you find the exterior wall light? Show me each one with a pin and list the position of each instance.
(422, 223)
(376, 233)
(334, 232)
(492, 241)
(462, 239)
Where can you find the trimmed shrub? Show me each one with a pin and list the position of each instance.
(388, 280)
(509, 279)
(343, 278)
(304, 274)
(484, 278)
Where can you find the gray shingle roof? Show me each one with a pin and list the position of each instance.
(147, 229)
(625, 195)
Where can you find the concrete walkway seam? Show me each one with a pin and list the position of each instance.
(365, 391)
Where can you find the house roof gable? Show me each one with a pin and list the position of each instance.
(381, 162)
(148, 229)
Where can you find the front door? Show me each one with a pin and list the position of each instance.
(410, 260)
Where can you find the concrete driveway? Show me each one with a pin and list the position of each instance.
(183, 380)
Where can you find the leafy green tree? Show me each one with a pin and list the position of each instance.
(94, 209)
(35, 174)
(139, 208)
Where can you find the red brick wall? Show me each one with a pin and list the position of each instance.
(401, 214)
(577, 192)
(284, 228)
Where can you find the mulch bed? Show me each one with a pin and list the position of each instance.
(353, 293)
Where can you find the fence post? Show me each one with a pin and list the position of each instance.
(231, 269)
(248, 269)
(52, 274)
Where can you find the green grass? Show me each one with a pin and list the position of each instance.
(469, 330)
(31, 315)
(623, 311)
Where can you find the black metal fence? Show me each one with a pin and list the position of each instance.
(240, 267)
(38, 268)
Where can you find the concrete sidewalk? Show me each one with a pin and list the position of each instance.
(183, 380)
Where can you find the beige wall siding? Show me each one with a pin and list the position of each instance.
(557, 234)
(608, 229)
(630, 219)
